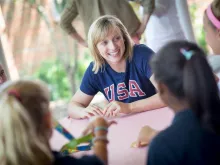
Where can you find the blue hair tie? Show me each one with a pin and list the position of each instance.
(187, 54)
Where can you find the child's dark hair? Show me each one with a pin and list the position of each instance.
(189, 79)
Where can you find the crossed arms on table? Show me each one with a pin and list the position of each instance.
(80, 106)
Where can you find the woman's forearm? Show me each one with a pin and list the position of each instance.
(151, 103)
(75, 110)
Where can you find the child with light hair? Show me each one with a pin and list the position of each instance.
(26, 127)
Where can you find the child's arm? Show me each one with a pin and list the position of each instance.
(100, 146)
(99, 127)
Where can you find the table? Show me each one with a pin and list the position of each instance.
(120, 136)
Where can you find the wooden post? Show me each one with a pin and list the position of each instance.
(6, 57)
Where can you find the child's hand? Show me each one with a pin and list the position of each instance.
(145, 136)
(97, 122)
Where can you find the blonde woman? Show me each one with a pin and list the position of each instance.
(120, 71)
(26, 126)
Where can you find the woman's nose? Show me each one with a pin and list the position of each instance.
(111, 45)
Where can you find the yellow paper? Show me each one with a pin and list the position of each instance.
(143, 144)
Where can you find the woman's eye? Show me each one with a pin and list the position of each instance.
(104, 42)
(118, 38)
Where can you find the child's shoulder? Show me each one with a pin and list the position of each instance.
(69, 160)
(214, 62)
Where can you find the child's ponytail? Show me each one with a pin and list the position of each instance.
(183, 68)
(20, 143)
(201, 91)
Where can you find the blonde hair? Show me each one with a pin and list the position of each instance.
(23, 136)
(99, 30)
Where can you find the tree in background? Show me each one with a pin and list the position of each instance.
(62, 71)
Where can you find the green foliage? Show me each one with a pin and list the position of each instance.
(198, 28)
(53, 73)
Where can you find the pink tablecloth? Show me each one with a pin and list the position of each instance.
(121, 135)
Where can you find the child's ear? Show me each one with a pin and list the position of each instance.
(48, 120)
(218, 34)
(161, 88)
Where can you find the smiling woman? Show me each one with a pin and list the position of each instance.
(120, 71)
(112, 49)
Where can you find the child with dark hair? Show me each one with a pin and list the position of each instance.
(186, 84)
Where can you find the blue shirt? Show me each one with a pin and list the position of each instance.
(129, 86)
(69, 160)
(185, 142)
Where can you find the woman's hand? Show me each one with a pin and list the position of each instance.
(145, 136)
(91, 110)
(97, 122)
(116, 107)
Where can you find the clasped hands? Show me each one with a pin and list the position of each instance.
(112, 109)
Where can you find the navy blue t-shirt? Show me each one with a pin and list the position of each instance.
(185, 142)
(69, 160)
(127, 87)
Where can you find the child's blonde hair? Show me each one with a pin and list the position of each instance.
(23, 136)
(99, 30)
